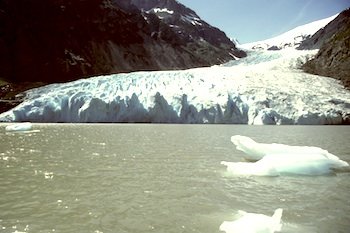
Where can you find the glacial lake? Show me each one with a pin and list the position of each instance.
(132, 178)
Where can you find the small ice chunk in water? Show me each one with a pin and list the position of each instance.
(254, 223)
(24, 126)
(48, 175)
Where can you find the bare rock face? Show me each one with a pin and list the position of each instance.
(333, 58)
(63, 40)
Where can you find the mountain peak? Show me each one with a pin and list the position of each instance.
(185, 22)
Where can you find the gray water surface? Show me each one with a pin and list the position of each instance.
(160, 178)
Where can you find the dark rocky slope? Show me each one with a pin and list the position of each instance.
(61, 40)
(333, 58)
(187, 24)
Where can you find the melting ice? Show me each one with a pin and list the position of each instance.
(254, 223)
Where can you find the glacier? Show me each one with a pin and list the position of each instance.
(264, 88)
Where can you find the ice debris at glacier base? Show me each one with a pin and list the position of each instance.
(264, 88)
(23, 126)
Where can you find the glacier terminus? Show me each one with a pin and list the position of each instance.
(266, 87)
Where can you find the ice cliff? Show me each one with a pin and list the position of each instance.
(264, 88)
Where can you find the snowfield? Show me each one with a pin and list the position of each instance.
(264, 88)
(290, 38)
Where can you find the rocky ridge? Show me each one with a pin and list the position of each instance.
(333, 58)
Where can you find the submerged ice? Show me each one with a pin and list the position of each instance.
(264, 88)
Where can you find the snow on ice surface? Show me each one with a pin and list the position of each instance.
(264, 88)
(291, 38)
(192, 19)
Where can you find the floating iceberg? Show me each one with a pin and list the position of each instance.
(254, 151)
(254, 223)
(264, 88)
(25, 126)
(279, 159)
(293, 164)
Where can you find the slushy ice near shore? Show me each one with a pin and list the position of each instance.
(264, 88)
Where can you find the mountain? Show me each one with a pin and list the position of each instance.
(186, 23)
(331, 36)
(264, 88)
(62, 40)
(333, 58)
(292, 38)
(339, 23)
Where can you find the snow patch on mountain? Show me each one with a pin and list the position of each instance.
(290, 38)
(192, 19)
(164, 10)
(161, 12)
(264, 88)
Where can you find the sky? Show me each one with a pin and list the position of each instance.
(255, 20)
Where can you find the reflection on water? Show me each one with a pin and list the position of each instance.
(159, 178)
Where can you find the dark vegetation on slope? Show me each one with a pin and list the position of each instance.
(333, 58)
(63, 40)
